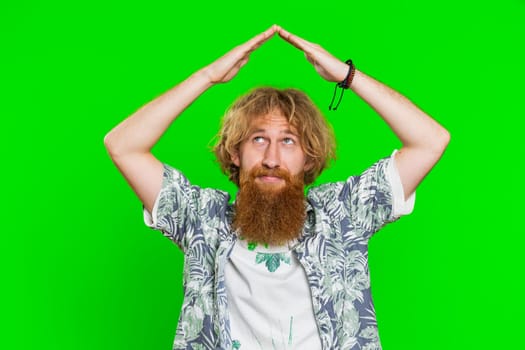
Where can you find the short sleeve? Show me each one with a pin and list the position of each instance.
(375, 197)
(181, 210)
(400, 205)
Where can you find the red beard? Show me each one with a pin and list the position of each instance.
(270, 213)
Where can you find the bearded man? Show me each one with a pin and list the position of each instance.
(277, 269)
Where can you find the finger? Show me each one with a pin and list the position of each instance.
(296, 41)
(243, 62)
(310, 59)
(259, 39)
(243, 51)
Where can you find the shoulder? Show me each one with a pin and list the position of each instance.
(373, 176)
(175, 181)
(326, 190)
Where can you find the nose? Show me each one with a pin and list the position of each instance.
(271, 157)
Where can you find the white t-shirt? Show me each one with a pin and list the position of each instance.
(269, 300)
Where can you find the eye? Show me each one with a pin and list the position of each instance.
(288, 141)
(258, 139)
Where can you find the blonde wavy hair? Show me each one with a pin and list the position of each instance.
(315, 134)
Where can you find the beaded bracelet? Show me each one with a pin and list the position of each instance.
(345, 84)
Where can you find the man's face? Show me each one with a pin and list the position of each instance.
(272, 144)
(270, 206)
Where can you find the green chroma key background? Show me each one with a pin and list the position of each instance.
(81, 271)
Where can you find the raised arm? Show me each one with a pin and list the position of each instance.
(423, 139)
(130, 142)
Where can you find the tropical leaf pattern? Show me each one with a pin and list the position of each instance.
(272, 261)
(333, 249)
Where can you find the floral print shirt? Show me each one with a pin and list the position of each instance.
(333, 250)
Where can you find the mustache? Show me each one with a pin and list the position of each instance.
(275, 172)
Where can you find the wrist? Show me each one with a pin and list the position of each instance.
(358, 75)
(349, 77)
(341, 72)
(343, 84)
(203, 76)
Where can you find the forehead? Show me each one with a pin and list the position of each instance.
(274, 121)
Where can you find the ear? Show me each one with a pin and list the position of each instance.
(308, 164)
(235, 159)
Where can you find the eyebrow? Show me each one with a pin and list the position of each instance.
(285, 131)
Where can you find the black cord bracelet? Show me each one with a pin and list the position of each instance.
(345, 84)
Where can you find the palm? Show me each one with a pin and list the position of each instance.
(328, 67)
(327, 74)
